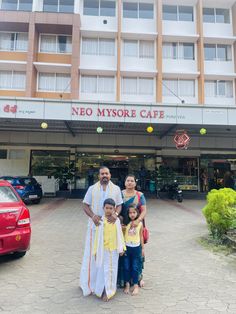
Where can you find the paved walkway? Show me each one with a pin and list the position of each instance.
(180, 275)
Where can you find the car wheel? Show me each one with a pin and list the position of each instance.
(36, 201)
(18, 254)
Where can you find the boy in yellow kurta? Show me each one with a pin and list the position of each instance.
(108, 244)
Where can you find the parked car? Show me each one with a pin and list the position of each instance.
(15, 230)
(28, 188)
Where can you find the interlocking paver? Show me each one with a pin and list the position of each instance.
(181, 276)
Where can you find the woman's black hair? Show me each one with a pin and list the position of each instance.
(130, 175)
(133, 206)
(109, 201)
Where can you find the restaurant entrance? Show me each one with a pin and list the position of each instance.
(120, 165)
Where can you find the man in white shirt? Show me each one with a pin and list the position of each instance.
(93, 207)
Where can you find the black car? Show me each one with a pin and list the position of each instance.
(28, 188)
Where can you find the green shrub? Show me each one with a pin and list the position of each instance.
(220, 211)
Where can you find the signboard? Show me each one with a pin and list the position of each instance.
(116, 112)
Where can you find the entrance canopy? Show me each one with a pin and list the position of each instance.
(82, 127)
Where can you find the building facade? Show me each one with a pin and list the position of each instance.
(82, 66)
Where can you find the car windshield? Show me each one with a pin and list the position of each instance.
(7, 195)
(8, 179)
(28, 181)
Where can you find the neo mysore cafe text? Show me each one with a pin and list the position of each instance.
(121, 113)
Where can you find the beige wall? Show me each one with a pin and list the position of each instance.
(200, 53)
(53, 95)
(10, 55)
(159, 52)
(12, 93)
(53, 58)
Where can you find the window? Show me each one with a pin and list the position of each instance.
(3, 154)
(217, 52)
(210, 52)
(9, 5)
(185, 13)
(7, 195)
(224, 53)
(177, 13)
(187, 88)
(170, 12)
(100, 7)
(93, 84)
(107, 8)
(91, 7)
(178, 51)
(212, 15)
(219, 89)
(136, 10)
(17, 5)
(146, 86)
(106, 47)
(131, 48)
(16, 154)
(14, 5)
(146, 11)
(25, 5)
(55, 44)
(137, 86)
(54, 82)
(130, 10)
(208, 15)
(179, 88)
(187, 51)
(65, 6)
(222, 16)
(169, 50)
(98, 46)
(13, 41)
(64, 44)
(146, 49)
(139, 48)
(12, 80)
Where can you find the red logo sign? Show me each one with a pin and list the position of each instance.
(9, 108)
(181, 139)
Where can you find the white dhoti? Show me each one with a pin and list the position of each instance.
(107, 274)
(88, 269)
(95, 198)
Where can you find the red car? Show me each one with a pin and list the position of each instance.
(15, 230)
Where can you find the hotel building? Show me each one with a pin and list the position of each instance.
(83, 66)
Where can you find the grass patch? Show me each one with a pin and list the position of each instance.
(215, 246)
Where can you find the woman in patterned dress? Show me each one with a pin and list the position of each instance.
(131, 196)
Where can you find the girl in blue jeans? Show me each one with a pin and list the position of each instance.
(134, 251)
